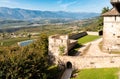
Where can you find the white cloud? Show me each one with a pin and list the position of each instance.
(5, 1)
(10, 4)
(66, 5)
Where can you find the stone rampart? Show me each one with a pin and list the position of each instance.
(83, 62)
(77, 35)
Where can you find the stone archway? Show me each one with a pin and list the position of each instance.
(69, 65)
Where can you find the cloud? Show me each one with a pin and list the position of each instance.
(66, 5)
(5, 1)
(8, 3)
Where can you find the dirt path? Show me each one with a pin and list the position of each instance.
(94, 49)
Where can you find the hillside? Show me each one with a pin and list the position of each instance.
(23, 14)
(37, 26)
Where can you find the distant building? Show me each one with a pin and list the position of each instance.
(111, 30)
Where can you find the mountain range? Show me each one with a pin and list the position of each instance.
(24, 14)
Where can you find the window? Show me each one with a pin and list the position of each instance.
(113, 34)
(112, 25)
(115, 18)
(118, 44)
(118, 36)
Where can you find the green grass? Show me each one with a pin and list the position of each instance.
(87, 39)
(82, 41)
(9, 42)
(103, 73)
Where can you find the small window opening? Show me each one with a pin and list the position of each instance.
(118, 36)
(115, 18)
(112, 25)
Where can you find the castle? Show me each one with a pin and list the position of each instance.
(60, 44)
(111, 29)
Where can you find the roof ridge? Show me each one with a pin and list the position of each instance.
(112, 12)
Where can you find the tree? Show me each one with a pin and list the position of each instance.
(29, 36)
(104, 10)
(62, 50)
(3, 35)
(30, 62)
(97, 23)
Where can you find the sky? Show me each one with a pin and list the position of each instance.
(58, 5)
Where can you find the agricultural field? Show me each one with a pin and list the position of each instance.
(13, 41)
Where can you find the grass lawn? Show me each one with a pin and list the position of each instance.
(9, 42)
(103, 73)
(87, 39)
(82, 41)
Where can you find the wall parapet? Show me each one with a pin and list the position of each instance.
(77, 35)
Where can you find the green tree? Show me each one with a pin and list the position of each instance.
(62, 50)
(29, 36)
(30, 62)
(104, 10)
(97, 23)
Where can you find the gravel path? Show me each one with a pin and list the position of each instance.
(94, 50)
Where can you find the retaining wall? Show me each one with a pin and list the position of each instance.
(77, 35)
(83, 62)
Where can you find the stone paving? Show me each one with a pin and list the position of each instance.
(94, 50)
(93, 58)
(67, 74)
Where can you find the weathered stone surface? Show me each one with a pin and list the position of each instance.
(57, 41)
(111, 30)
(81, 62)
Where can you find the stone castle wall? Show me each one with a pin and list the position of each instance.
(77, 35)
(111, 33)
(79, 62)
(57, 41)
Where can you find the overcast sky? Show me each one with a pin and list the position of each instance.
(58, 5)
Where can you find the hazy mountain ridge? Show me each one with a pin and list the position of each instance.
(23, 14)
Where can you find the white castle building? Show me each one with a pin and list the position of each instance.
(111, 29)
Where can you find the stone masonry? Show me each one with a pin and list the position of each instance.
(111, 30)
(60, 41)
